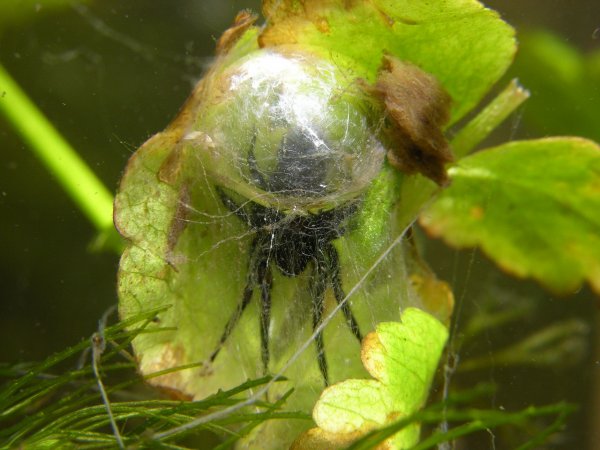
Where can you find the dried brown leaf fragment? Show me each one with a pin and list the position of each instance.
(244, 20)
(417, 107)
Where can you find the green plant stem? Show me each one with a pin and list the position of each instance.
(489, 118)
(74, 175)
(476, 420)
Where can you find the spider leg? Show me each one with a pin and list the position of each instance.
(258, 216)
(266, 282)
(232, 206)
(318, 285)
(333, 268)
(336, 219)
(246, 297)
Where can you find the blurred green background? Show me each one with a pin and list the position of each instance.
(110, 74)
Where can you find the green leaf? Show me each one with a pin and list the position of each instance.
(532, 206)
(187, 195)
(463, 44)
(565, 103)
(474, 420)
(190, 251)
(402, 357)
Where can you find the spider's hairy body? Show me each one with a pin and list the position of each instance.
(292, 242)
(292, 130)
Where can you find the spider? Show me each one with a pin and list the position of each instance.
(292, 243)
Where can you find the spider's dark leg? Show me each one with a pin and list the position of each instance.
(266, 281)
(333, 267)
(318, 286)
(253, 264)
(233, 206)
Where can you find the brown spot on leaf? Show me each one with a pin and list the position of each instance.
(391, 21)
(477, 212)
(386, 18)
(171, 167)
(417, 108)
(242, 22)
(394, 416)
(436, 295)
(178, 224)
(279, 10)
(287, 19)
(322, 25)
(274, 36)
(163, 273)
(369, 354)
(175, 382)
(176, 394)
(318, 439)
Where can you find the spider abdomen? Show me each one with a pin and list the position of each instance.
(302, 165)
(294, 249)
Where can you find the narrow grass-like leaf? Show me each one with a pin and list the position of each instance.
(76, 178)
(476, 420)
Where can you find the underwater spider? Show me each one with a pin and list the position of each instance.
(290, 242)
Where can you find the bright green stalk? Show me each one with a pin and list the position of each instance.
(82, 185)
(489, 119)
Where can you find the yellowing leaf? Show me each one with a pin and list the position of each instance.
(463, 44)
(402, 357)
(532, 206)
